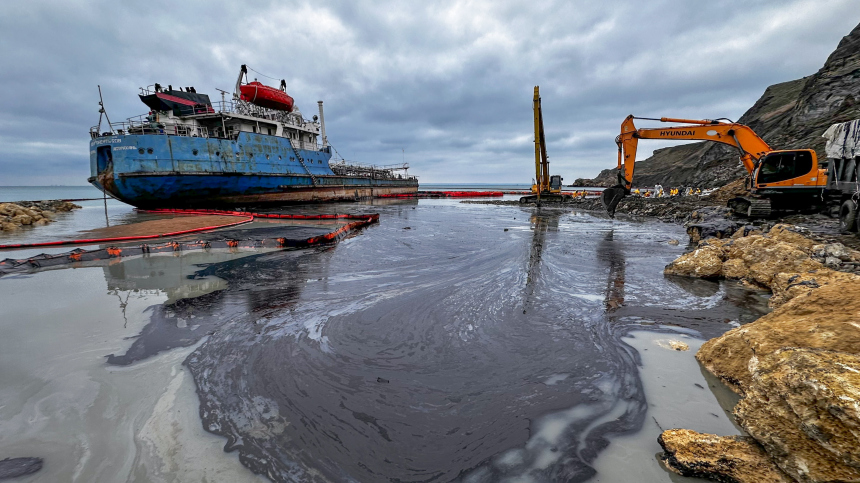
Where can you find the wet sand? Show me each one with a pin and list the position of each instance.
(451, 350)
(169, 224)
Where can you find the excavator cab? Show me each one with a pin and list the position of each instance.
(782, 166)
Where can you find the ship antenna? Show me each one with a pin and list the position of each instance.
(223, 101)
(102, 112)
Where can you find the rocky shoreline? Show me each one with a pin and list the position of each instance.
(14, 216)
(797, 368)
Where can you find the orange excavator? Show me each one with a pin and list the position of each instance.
(778, 180)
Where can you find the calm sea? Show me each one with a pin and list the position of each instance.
(35, 193)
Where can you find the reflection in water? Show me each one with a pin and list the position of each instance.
(610, 252)
(540, 221)
(198, 303)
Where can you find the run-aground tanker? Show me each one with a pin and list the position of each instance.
(255, 148)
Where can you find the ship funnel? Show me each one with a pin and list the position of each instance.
(322, 125)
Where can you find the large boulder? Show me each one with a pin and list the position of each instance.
(703, 262)
(826, 318)
(737, 459)
(804, 408)
(765, 256)
(786, 286)
(9, 209)
(710, 222)
(793, 235)
(22, 219)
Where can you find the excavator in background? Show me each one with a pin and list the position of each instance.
(546, 187)
(778, 180)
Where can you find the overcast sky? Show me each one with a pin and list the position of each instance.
(448, 82)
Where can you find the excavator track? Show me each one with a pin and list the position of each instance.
(750, 207)
(546, 198)
(759, 208)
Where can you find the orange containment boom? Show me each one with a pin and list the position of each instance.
(112, 252)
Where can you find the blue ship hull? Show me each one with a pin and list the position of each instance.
(167, 171)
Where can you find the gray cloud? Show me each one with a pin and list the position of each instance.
(449, 82)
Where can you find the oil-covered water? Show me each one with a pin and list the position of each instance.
(448, 342)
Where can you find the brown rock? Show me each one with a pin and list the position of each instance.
(65, 206)
(764, 257)
(22, 219)
(790, 234)
(735, 268)
(703, 262)
(804, 408)
(826, 318)
(723, 458)
(786, 286)
(8, 209)
(6, 226)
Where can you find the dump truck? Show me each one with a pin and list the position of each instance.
(842, 192)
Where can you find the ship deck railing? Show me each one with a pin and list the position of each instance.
(355, 170)
(145, 123)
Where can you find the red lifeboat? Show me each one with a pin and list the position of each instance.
(265, 96)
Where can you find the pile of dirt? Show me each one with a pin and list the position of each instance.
(731, 190)
(797, 368)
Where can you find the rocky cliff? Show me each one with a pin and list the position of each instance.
(789, 115)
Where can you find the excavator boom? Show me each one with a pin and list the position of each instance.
(546, 186)
(541, 160)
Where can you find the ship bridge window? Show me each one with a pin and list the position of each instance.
(141, 151)
(149, 151)
(194, 152)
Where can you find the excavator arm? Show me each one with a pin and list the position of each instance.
(751, 148)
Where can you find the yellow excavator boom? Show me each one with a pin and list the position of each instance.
(541, 159)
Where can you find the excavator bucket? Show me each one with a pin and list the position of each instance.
(611, 197)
